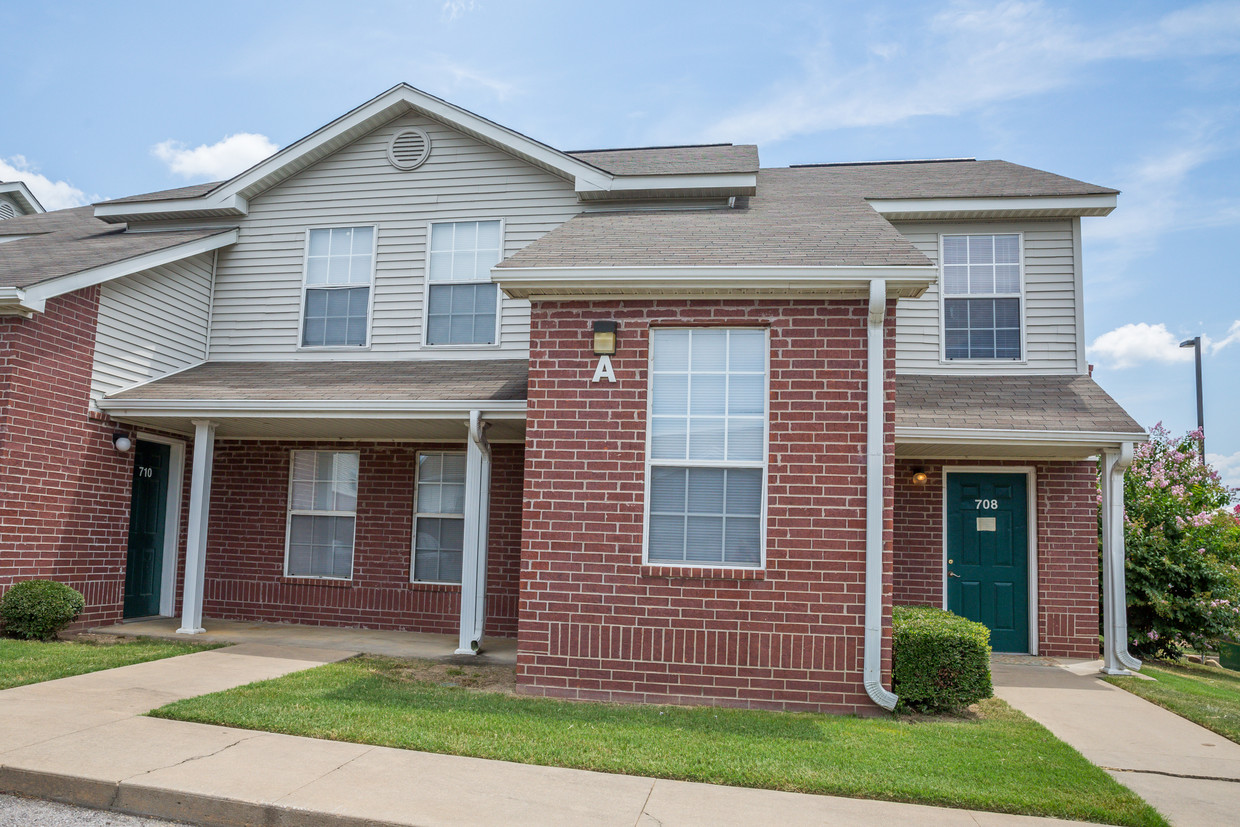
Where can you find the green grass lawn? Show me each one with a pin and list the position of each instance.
(1205, 695)
(32, 661)
(996, 759)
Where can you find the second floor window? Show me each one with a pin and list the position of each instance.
(340, 264)
(461, 298)
(981, 286)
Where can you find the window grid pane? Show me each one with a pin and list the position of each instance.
(439, 530)
(339, 271)
(981, 305)
(461, 300)
(707, 403)
(322, 519)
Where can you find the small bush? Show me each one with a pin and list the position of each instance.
(940, 661)
(38, 609)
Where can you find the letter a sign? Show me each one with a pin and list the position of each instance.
(604, 370)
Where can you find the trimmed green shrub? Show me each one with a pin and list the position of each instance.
(940, 661)
(38, 609)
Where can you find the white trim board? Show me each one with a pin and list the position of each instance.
(310, 409)
(1031, 503)
(1038, 206)
(911, 436)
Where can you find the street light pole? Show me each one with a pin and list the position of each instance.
(1195, 344)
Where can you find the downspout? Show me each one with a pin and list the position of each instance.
(875, 474)
(1116, 659)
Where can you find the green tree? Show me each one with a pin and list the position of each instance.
(1183, 548)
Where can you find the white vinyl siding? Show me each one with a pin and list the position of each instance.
(706, 452)
(322, 514)
(1050, 301)
(152, 323)
(258, 282)
(439, 518)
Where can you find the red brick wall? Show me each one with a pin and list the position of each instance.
(64, 490)
(246, 539)
(1067, 534)
(595, 622)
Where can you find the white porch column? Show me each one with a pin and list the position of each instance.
(474, 556)
(196, 530)
(1115, 658)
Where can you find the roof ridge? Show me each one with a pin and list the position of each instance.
(644, 148)
(883, 163)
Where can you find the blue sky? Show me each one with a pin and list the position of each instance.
(104, 100)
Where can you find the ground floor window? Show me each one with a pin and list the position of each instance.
(706, 462)
(322, 514)
(439, 518)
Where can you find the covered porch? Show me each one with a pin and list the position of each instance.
(307, 489)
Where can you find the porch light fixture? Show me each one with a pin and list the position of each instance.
(121, 441)
(920, 477)
(604, 338)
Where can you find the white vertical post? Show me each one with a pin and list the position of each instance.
(474, 553)
(1115, 657)
(196, 531)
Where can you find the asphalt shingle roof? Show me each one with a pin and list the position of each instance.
(498, 379)
(800, 216)
(191, 191)
(69, 241)
(1026, 403)
(673, 160)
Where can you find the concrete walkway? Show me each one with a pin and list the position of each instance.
(370, 641)
(81, 740)
(1186, 772)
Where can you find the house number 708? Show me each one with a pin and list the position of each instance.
(988, 505)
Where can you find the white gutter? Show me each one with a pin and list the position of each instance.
(313, 408)
(872, 671)
(1116, 659)
(913, 435)
(15, 302)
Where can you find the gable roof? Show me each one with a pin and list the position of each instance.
(810, 216)
(230, 198)
(19, 192)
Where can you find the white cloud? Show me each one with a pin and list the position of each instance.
(1138, 344)
(452, 9)
(1232, 337)
(1228, 466)
(53, 195)
(962, 59)
(460, 76)
(1132, 345)
(222, 159)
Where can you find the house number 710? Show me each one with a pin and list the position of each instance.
(989, 505)
(145, 472)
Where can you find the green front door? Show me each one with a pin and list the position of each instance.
(988, 555)
(147, 514)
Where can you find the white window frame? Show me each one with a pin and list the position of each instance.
(292, 512)
(370, 303)
(426, 286)
(943, 298)
(413, 541)
(763, 464)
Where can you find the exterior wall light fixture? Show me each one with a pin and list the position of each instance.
(920, 477)
(121, 441)
(605, 338)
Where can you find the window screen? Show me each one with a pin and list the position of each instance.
(461, 298)
(439, 530)
(981, 297)
(322, 514)
(339, 270)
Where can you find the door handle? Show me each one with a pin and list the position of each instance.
(952, 574)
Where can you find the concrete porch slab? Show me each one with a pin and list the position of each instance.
(368, 641)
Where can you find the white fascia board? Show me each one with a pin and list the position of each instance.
(98, 275)
(912, 436)
(15, 302)
(523, 281)
(895, 208)
(214, 203)
(21, 193)
(620, 185)
(314, 408)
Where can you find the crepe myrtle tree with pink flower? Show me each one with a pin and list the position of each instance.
(1182, 539)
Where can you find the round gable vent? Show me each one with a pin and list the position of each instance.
(409, 149)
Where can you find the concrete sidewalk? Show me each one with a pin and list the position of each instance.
(81, 740)
(1186, 772)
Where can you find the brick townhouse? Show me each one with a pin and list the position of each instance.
(684, 426)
